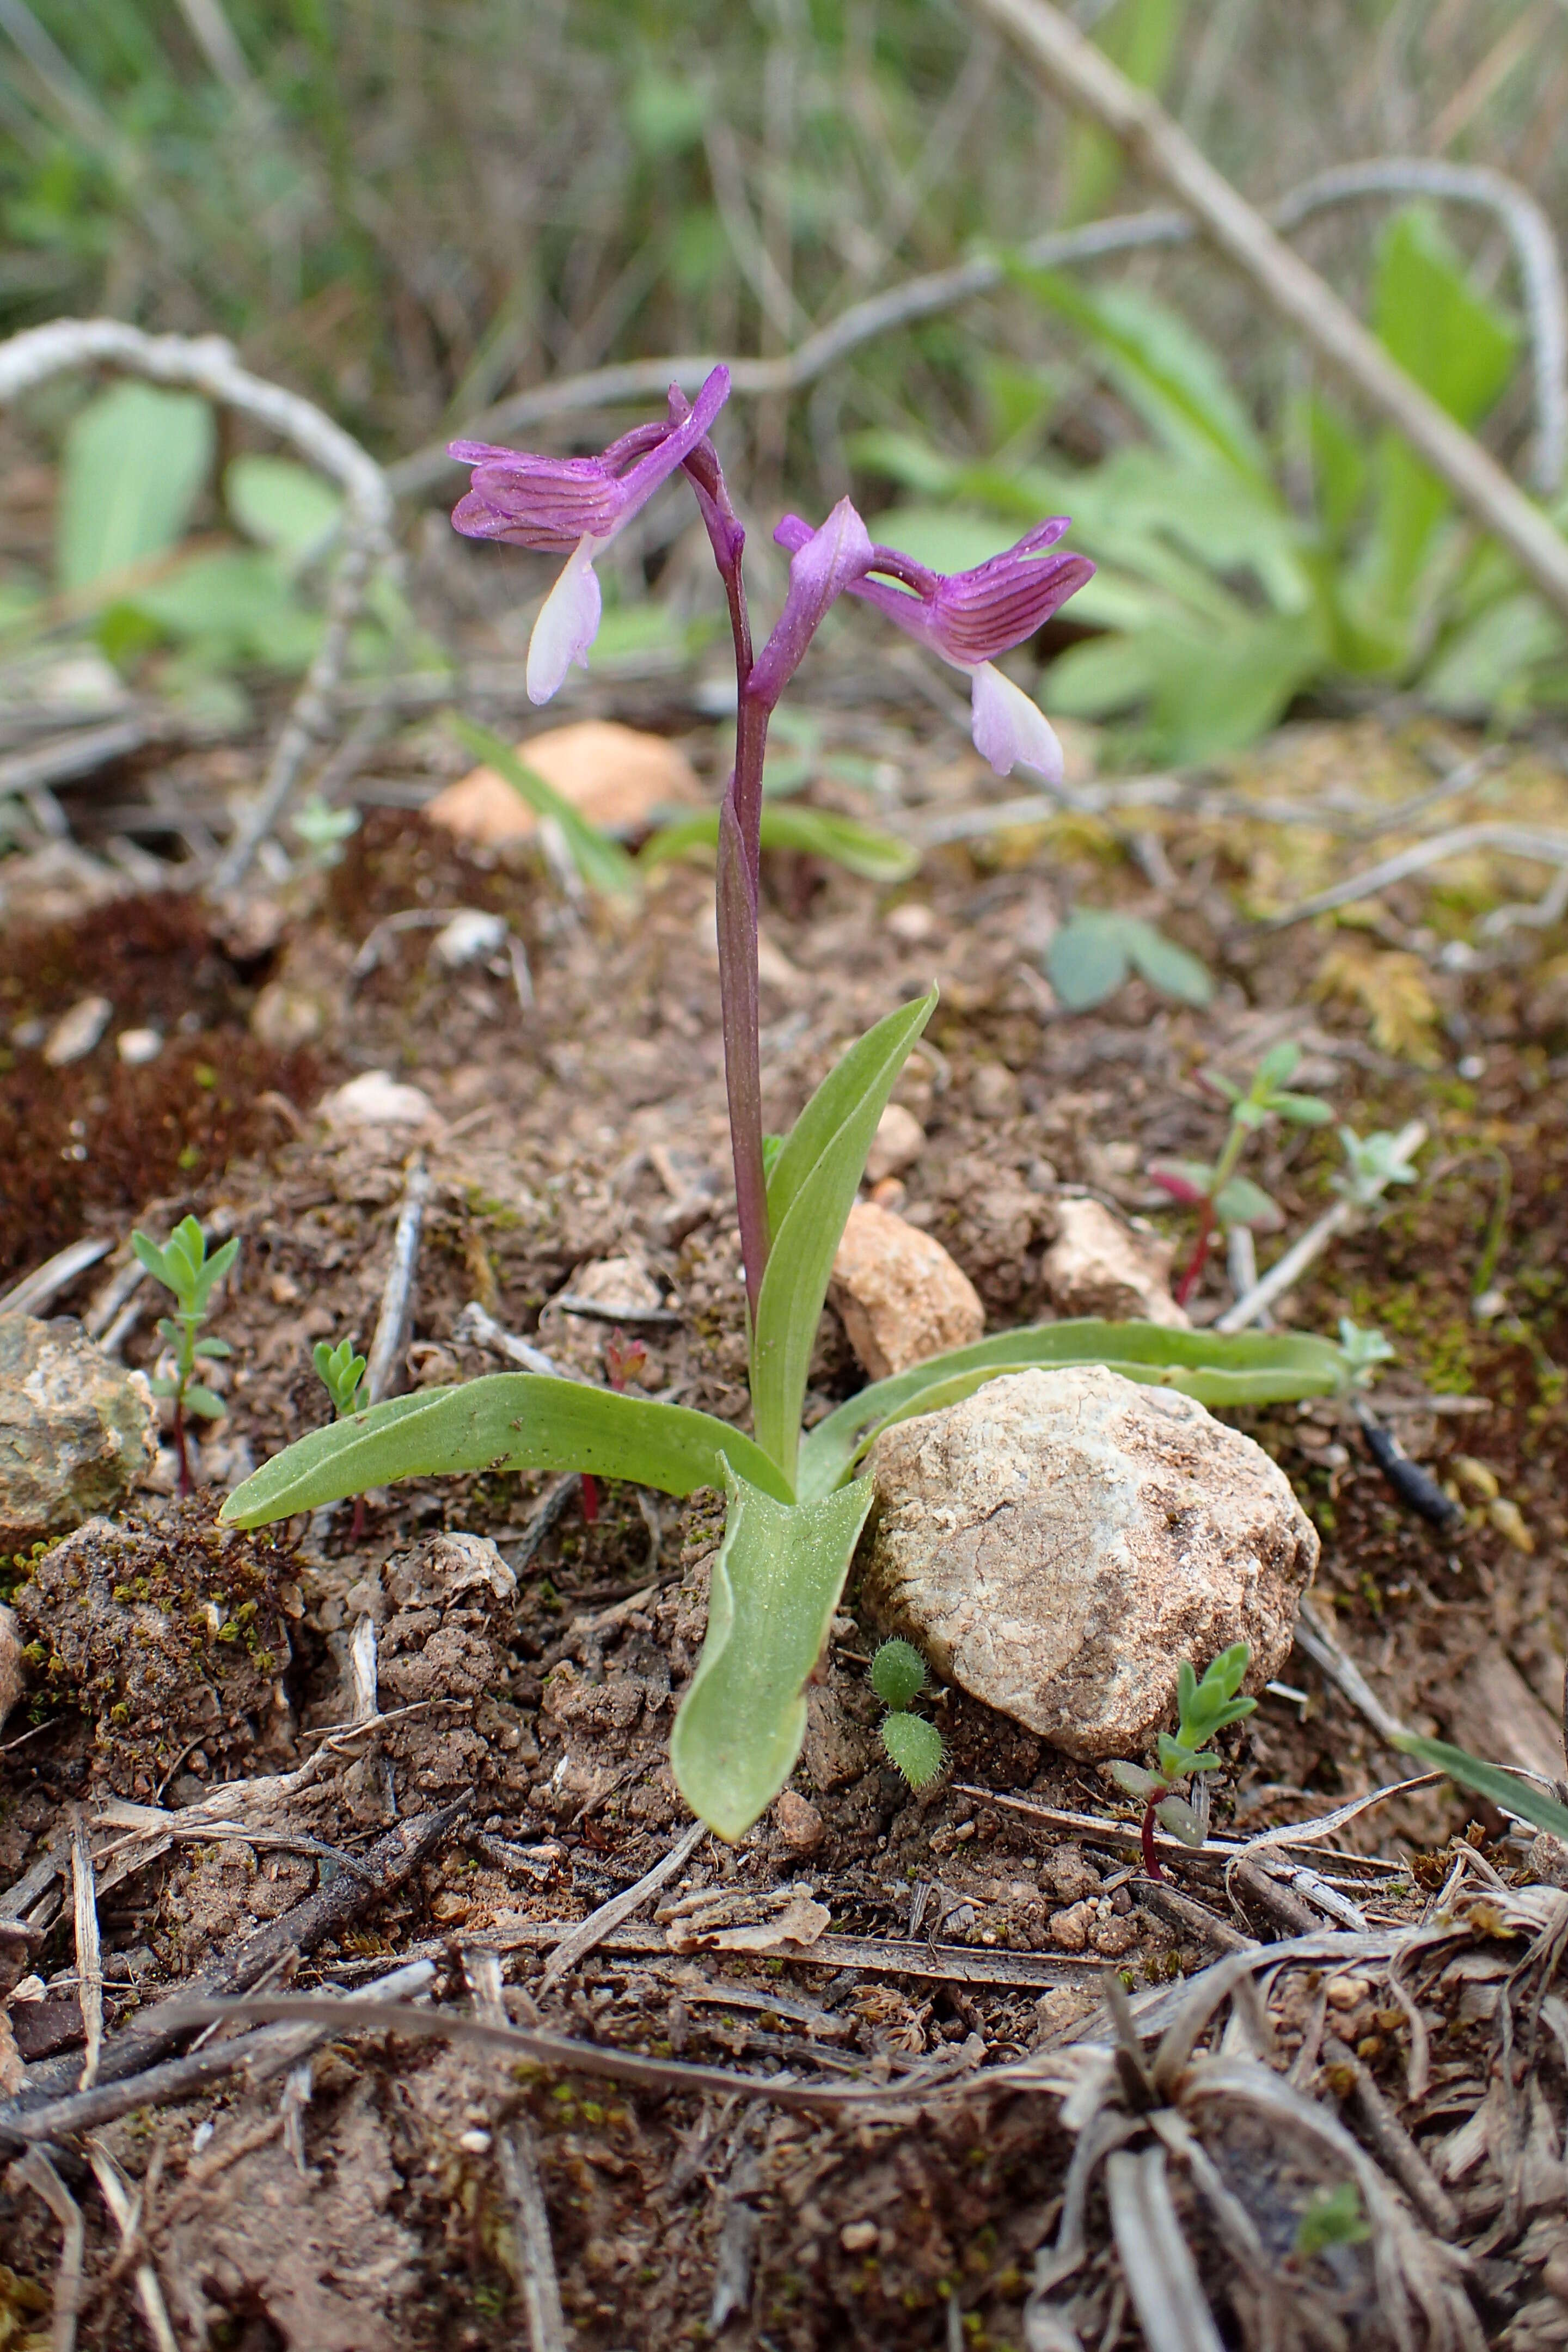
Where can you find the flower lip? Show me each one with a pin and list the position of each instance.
(969, 617)
(549, 504)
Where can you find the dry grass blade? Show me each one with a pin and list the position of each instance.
(392, 1323)
(1162, 2277)
(36, 1290)
(89, 1950)
(126, 2211)
(36, 2172)
(609, 1916)
(517, 2153)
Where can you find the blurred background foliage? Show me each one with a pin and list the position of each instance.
(410, 209)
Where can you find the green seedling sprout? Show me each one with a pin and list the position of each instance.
(1334, 2217)
(183, 1266)
(797, 1498)
(1363, 1353)
(1221, 1195)
(341, 1374)
(914, 1745)
(1203, 1708)
(1373, 1162)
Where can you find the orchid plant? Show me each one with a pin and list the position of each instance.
(796, 1502)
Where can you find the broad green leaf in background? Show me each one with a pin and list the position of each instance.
(603, 863)
(1218, 1369)
(235, 605)
(820, 833)
(507, 1420)
(811, 1191)
(1088, 960)
(776, 1582)
(134, 465)
(1506, 1789)
(1502, 661)
(282, 505)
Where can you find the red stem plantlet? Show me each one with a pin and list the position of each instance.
(1219, 1194)
(1203, 1708)
(183, 1266)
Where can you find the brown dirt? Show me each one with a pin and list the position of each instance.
(593, 1128)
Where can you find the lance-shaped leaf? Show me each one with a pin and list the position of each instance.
(1238, 1368)
(1508, 1789)
(776, 1582)
(508, 1420)
(819, 833)
(810, 1193)
(603, 863)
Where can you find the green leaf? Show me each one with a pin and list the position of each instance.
(1303, 1110)
(134, 463)
(603, 863)
(860, 849)
(1140, 37)
(914, 1747)
(1134, 1781)
(285, 506)
(149, 1255)
(1218, 1369)
(898, 1675)
(203, 1400)
(1504, 1788)
(1458, 346)
(810, 1193)
(212, 1347)
(1086, 960)
(1243, 1203)
(1276, 1065)
(1165, 966)
(776, 1582)
(508, 1421)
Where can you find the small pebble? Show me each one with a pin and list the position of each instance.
(857, 2237)
(800, 1825)
(76, 1033)
(470, 935)
(135, 1046)
(476, 2142)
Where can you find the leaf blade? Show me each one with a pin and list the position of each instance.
(776, 1582)
(510, 1421)
(1492, 1780)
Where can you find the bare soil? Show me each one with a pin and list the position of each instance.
(370, 2206)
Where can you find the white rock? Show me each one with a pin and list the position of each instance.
(374, 1099)
(470, 935)
(136, 1046)
(618, 1286)
(76, 1033)
(901, 1295)
(10, 1662)
(1097, 1266)
(1059, 1541)
(285, 1018)
(898, 1143)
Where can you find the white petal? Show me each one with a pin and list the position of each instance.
(568, 625)
(1009, 730)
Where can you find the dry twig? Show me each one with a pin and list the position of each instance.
(396, 1298)
(517, 2152)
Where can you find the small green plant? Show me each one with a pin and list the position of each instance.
(898, 1678)
(1203, 1708)
(183, 1266)
(1221, 1194)
(1334, 2217)
(323, 830)
(1373, 1162)
(341, 1374)
(1089, 957)
(1363, 1353)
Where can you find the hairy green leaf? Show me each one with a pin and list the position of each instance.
(508, 1421)
(135, 460)
(1508, 1789)
(776, 1582)
(810, 1193)
(603, 863)
(1218, 1368)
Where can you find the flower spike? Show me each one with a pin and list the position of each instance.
(970, 617)
(576, 506)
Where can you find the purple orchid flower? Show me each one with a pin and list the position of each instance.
(556, 505)
(970, 617)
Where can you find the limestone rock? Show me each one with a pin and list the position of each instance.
(1098, 1265)
(898, 1143)
(617, 777)
(1060, 1540)
(10, 1662)
(75, 1429)
(374, 1100)
(899, 1294)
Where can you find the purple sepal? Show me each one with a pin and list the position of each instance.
(823, 564)
(968, 618)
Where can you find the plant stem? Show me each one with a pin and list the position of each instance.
(182, 1454)
(739, 880)
(1225, 1169)
(1146, 1836)
(356, 1525)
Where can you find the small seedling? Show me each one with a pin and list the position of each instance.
(1373, 1162)
(1219, 1194)
(914, 1745)
(341, 1374)
(323, 830)
(1088, 958)
(1203, 1708)
(1363, 1353)
(1334, 2217)
(183, 1266)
